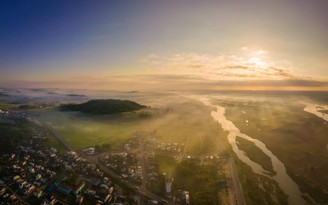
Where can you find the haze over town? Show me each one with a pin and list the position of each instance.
(180, 102)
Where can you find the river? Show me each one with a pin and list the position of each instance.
(315, 109)
(282, 178)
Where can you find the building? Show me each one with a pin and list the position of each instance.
(67, 188)
(168, 183)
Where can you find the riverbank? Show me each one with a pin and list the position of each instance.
(282, 178)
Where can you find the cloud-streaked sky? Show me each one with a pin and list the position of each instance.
(184, 43)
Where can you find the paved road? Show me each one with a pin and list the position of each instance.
(60, 138)
(12, 191)
(239, 194)
(103, 168)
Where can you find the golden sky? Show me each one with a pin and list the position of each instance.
(187, 44)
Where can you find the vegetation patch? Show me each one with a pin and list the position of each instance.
(320, 196)
(200, 180)
(103, 106)
(259, 189)
(189, 124)
(84, 131)
(324, 111)
(255, 154)
(8, 105)
(166, 164)
(13, 132)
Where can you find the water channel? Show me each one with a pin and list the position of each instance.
(282, 178)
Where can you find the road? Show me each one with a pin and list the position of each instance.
(54, 133)
(12, 191)
(239, 194)
(94, 160)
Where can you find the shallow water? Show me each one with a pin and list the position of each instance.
(315, 109)
(282, 178)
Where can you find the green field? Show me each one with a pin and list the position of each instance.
(4, 105)
(52, 141)
(188, 123)
(85, 130)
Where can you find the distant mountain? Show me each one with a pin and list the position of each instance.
(3, 94)
(103, 106)
(52, 93)
(76, 95)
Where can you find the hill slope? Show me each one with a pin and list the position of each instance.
(103, 106)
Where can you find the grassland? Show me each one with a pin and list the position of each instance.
(84, 131)
(188, 123)
(259, 189)
(255, 154)
(4, 105)
(52, 141)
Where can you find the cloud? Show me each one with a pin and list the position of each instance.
(192, 71)
(245, 48)
(218, 67)
(164, 82)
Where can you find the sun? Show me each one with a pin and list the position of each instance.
(257, 62)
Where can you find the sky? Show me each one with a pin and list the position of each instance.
(164, 44)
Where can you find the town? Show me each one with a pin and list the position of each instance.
(33, 173)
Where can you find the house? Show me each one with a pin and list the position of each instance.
(66, 188)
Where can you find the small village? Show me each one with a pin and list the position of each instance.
(40, 175)
(35, 173)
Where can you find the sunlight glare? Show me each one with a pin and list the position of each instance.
(257, 62)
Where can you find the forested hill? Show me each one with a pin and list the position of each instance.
(103, 106)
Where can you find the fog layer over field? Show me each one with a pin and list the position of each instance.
(288, 127)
